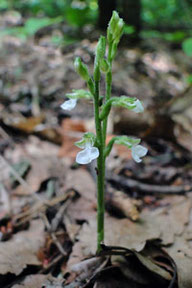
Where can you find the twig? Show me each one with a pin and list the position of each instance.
(42, 206)
(53, 236)
(20, 179)
(130, 185)
(55, 222)
(51, 264)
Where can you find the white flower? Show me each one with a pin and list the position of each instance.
(69, 104)
(139, 107)
(87, 155)
(137, 152)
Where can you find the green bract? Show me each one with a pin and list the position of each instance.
(81, 69)
(79, 93)
(124, 101)
(104, 65)
(88, 138)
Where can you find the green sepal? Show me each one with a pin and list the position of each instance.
(88, 138)
(123, 101)
(79, 94)
(81, 69)
(127, 141)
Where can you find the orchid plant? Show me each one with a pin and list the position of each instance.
(94, 146)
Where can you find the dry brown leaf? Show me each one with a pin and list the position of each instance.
(161, 223)
(22, 249)
(32, 281)
(28, 125)
(71, 128)
(85, 206)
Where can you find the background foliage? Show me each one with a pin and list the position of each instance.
(170, 19)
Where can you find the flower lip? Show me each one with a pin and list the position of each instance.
(87, 155)
(69, 104)
(139, 107)
(137, 152)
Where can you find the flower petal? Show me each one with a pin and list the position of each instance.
(87, 155)
(69, 104)
(137, 152)
(139, 107)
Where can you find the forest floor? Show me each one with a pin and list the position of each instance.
(48, 202)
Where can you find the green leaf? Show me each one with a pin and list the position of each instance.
(187, 46)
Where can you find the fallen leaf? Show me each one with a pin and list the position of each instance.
(32, 281)
(160, 223)
(23, 248)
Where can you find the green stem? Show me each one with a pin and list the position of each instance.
(108, 88)
(100, 171)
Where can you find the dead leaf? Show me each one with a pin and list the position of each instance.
(23, 248)
(72, 130)
(160, 223)
(28, 125)
(32, 281)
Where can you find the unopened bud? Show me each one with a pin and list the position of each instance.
(118, 30)
(104, 65)
(81, 69)
(100, 50)
(112, 24)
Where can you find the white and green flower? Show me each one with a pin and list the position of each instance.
(138, 151)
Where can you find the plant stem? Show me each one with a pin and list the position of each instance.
(108, 89)
(100, 171)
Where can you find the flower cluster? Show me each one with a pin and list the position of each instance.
(89, 152)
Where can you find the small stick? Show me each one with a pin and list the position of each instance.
(53, 236)
(131, 185)
(20, 179)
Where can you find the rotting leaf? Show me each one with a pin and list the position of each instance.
(32, 281)
(160, 223)
(22, 248)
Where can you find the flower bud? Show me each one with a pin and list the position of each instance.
(118, 30)
(104, 66)
(111, 27)
(81, 69)
(101, 46)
